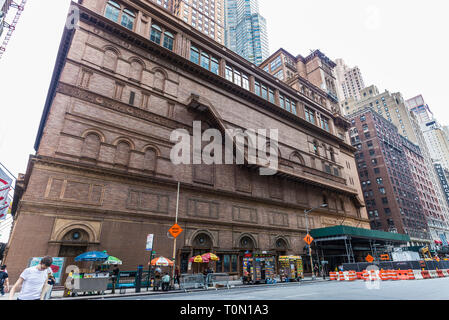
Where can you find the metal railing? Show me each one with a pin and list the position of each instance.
(192, 281)
(217, 280)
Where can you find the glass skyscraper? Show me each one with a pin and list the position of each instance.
(246, 30)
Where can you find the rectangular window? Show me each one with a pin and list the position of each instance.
(271, 96)
(237, 78)
(310, 115)
(245, 82)
(229, 73)
(264, 92)
(294, 108)
(132, 96)
(287, 104)
(234, 263)
(214, 65)
(324, 123)
(282, 101)
(194, 55)
(226, 263)
(257, 88)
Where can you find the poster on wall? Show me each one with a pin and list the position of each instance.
(57, 267)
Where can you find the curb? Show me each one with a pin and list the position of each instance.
(159, 293)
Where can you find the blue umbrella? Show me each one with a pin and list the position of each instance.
(92, 256)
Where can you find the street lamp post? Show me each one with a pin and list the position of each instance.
(306, 212)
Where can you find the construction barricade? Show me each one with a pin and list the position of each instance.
(433, 274)
(359, 275)
(446, 273)
(384, 275)
(192, 281)
(418, 274)
(411, 275)
(440, 274)
(402, 274)
(365, 275)
(217, 280)
(352, 276)
(426, 274)
(341, 276)
(373, 275)
(333, 276)
(393, 275)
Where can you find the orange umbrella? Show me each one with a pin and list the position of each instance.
(162, 262)
(210, 256)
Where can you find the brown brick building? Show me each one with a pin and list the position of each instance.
(102, 178)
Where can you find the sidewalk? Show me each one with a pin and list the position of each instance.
(58, 294)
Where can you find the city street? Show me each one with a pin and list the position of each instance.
(432, 289)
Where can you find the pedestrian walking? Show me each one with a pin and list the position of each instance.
(316, 270)
(177, 275)
(32, 281)
(3, 280)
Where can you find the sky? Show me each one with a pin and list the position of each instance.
(399, 45)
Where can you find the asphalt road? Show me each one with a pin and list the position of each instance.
(432, 289)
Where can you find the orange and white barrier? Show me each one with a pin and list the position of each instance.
(352, 276)
(446, 273)
(341, 276)
(411, 275)
(393, 275)
(384, 275)
(433, 274)
(418, 274)
(402, 274)
(333, 276)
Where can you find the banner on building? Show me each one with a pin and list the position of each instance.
(57, 267)
(150, 239)
(5, 208)
(5, 185)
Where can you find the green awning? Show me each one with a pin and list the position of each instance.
(358, 233)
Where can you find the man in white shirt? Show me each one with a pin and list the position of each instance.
(32, 281)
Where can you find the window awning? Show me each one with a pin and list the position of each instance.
(359, 233)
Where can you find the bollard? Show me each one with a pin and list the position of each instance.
(139, 278)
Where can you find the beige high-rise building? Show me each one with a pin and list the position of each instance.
(349, 81)
(206, 16)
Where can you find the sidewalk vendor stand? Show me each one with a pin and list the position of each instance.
(291, 268)
(258, 268)
(91, 281)
(160, 262)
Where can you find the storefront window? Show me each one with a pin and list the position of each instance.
(226, 264)
(234, 263)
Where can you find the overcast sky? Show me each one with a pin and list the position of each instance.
(399, 46)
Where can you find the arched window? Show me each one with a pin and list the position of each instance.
(168, 40)
(122, 153)
(156, 34)
(110, 60)
(112, 11)
(128, 19)
(136, 70)
(149, 162)
(91, 146)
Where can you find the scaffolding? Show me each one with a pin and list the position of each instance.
(11, 27)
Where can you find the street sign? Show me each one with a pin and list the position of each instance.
(384, 257)
(369, 258)
(308, 239)
(149, 246)
(175, 230)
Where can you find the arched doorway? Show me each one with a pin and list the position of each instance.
(281, 248)
(246, 247)
(73, 243)
(201, 244)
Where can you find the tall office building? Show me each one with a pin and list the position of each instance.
(434, 134)
(349, 81)
(206, 16)
(392, 107)
(246, 30)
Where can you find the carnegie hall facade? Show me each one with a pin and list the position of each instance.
(101, 179)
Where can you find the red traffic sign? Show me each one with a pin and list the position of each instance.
(369, 258)
(308, 239)
(175, 230)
